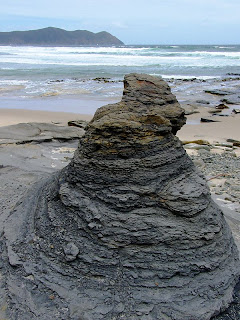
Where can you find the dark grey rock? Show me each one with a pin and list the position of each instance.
(236, 143)
(233, 74)
(214, 111)
(202, 101)
(37, 132)
(71, 251)
(219, 92)
(221, 106)
(232, 99)
(134, 216)
(208, 120)
(78, 123)
(237, 111)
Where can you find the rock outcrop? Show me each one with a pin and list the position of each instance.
(128, 230)
(37, 132)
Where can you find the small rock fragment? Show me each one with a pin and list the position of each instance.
(208, 120)
(221, 106)
(202, 101)
(218, 92)
(199, 141)
(71, 251)
(78, 123)
(237, 111)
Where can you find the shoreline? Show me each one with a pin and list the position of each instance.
(79, 104)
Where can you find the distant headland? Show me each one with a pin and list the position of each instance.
(58, 37)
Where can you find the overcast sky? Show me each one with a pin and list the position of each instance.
(132, 21)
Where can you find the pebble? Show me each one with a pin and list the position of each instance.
(199, 163)
(203, 101)
(197, 146)
(71, 251)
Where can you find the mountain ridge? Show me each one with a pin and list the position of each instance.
(51, 36)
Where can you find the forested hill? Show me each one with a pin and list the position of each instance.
(58, 37)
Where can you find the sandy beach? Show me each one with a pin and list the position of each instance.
(14, 116)
(199, 98)
(224, 128)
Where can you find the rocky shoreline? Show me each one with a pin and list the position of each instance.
(31, 160)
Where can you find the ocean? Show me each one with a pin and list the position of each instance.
(30, 74)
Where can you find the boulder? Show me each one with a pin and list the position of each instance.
(78, 123)
(232, 99)
(128, 230)
(189, 108)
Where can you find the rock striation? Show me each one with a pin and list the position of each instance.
(128, 230)
(37, 132)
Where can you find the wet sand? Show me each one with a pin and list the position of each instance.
(15, 116)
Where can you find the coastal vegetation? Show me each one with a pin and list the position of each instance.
(58, 37)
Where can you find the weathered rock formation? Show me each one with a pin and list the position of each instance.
(127, 230)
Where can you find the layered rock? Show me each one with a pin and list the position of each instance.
(128, 229)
